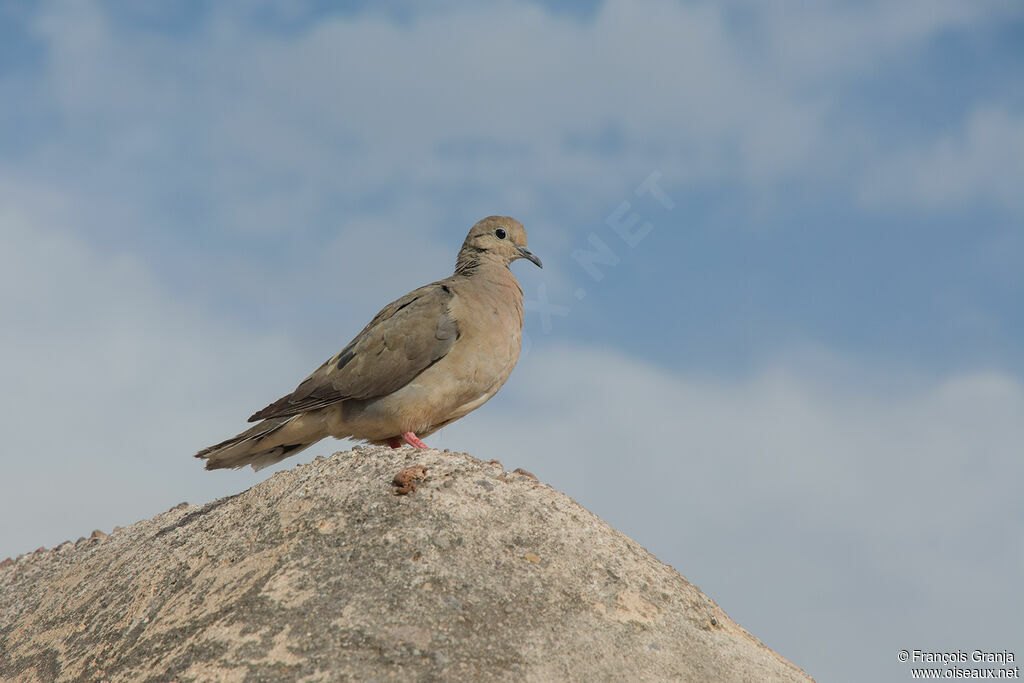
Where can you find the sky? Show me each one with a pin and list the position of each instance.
(778, 337)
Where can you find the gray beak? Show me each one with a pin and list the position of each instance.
(527, 254)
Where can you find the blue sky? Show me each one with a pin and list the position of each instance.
(802, 388)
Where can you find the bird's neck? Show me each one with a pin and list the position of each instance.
(472, 262)
(488, 270)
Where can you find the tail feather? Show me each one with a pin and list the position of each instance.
(263, 445)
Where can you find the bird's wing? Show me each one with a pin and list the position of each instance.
(404, 339)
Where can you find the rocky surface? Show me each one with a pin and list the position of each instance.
(370, 565)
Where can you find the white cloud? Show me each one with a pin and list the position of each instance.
(830, 41)
(110, 383)
(361, 121)
(982, 162)
(277, 124)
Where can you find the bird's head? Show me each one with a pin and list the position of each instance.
(495, 237)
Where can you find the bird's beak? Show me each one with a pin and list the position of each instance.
(527, 254)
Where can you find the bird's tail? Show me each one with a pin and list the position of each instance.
(263, 445)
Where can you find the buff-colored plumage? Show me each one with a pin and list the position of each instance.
(424, 361)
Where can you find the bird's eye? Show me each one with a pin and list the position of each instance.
(500, 233)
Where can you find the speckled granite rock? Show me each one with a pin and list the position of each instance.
(326, 572)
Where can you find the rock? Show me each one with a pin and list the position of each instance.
(323, 573)
(405, 481)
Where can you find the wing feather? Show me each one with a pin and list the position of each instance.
(405, 338)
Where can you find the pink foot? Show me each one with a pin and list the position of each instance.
(395, 442)
(412, 440)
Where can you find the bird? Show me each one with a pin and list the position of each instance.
(424, 361)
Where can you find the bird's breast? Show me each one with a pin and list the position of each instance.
(489, 319)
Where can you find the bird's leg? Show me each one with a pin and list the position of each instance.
(413, 440)
(395, 442)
